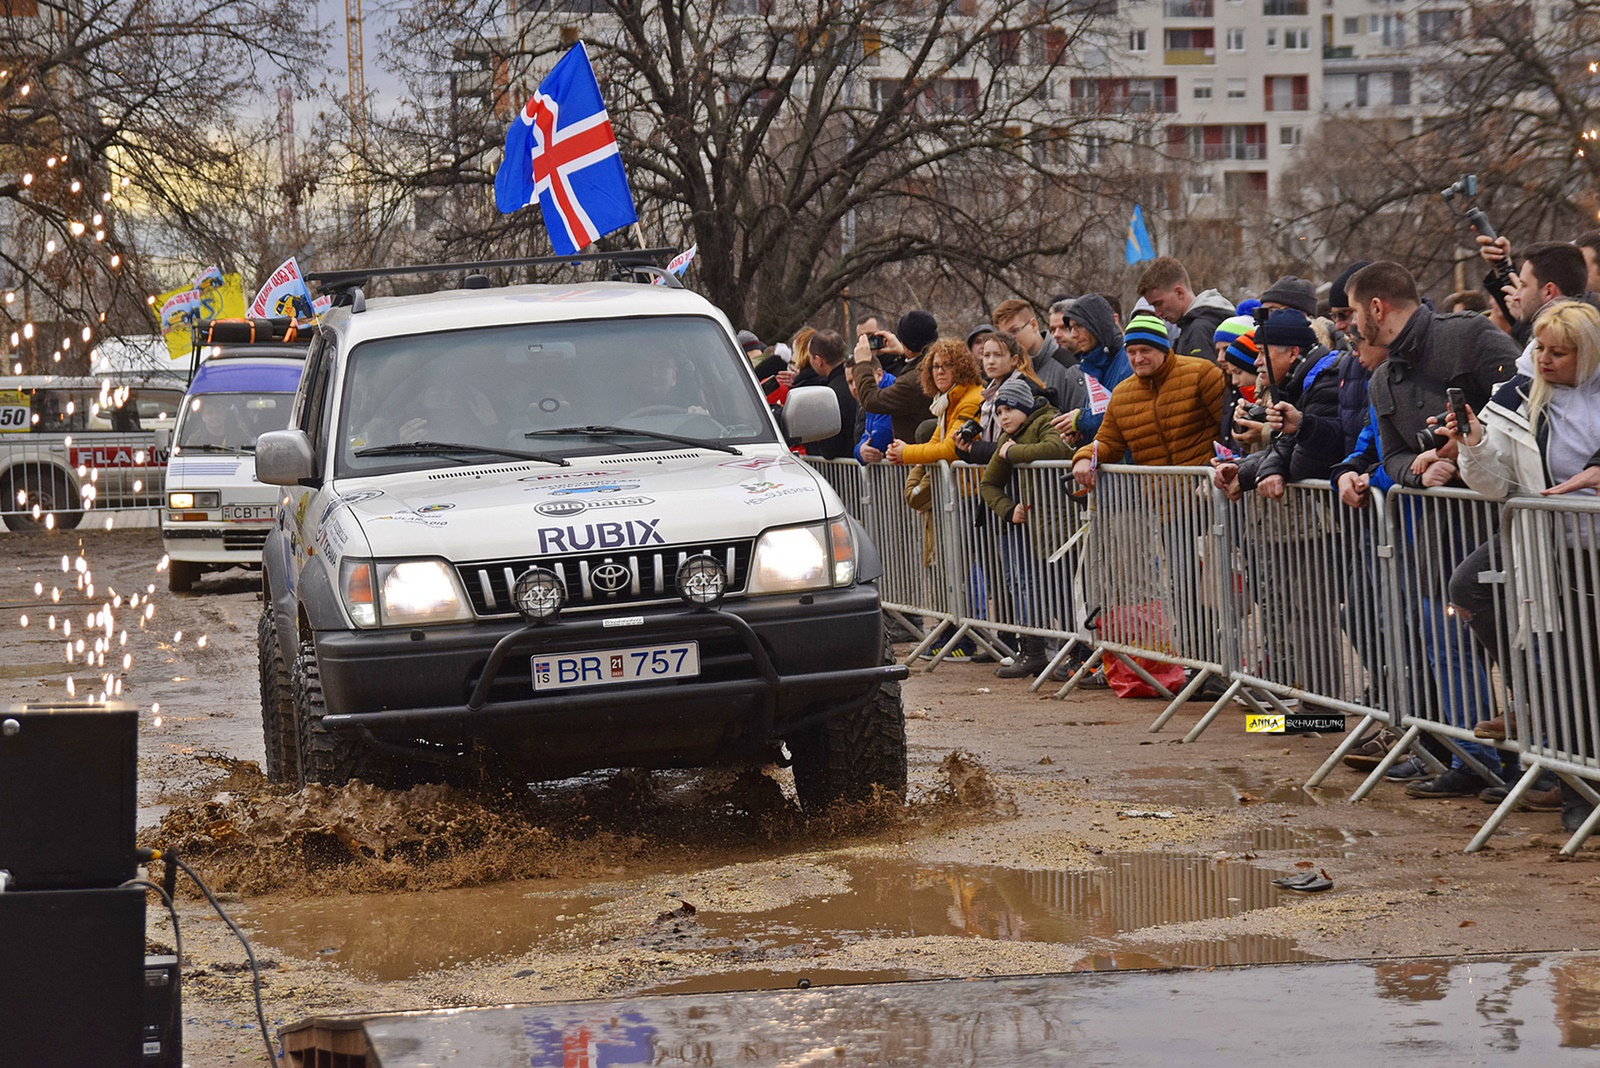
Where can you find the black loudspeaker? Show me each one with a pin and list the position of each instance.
(67, 795)
(163, 1013)
(72, 986)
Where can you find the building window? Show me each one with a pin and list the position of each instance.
(1202, 89)
(1289, 136)
(1138, 40)
(1272, 38)
(1094, 149)
(1284, 7)
(1238, 88)
(1288, 92)
(1352, 27)
(1297, 40)
(1236, 40)
(1373, 24)
(1361, 90)
(1400, 85)
(1198, 185)
(1438, 27)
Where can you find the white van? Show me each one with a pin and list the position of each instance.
(217, 515)
(68, 442)
(555, 529)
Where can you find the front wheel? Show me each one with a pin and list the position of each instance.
(277, 704)
(329, 758)
(844, 758)
(52, 490)
(181, 576)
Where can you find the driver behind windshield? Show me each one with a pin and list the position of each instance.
(654, 386)
(440, 403)
(217, 424)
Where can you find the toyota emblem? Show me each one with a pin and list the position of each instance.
(611, 578)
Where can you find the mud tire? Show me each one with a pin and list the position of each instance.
(182, 575)
(277, 705)
(329, 758)
(844, 758)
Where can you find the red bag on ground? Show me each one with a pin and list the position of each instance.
(1125, 682)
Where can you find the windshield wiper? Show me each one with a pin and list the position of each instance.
(603, 431)
(451, 449)
(208, 447)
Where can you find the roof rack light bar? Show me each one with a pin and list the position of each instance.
(356, 275)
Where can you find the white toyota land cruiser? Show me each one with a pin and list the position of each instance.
(558, 528)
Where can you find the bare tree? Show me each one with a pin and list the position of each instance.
(809, 149)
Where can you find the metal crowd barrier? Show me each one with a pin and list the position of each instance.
(1552, 626)
(53, 480)
(1296, 598)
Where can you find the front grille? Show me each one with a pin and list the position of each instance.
(649, 575)
(244, 539)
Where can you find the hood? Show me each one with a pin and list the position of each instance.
(1210, 300)
(1094, 312)
(485, 513)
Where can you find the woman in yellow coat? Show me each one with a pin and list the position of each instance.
(950, 377)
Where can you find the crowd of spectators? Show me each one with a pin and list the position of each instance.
(1342, 385)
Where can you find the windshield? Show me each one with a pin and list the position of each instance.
(545, 387)
(232, 421)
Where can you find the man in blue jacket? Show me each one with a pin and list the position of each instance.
(1087, 328)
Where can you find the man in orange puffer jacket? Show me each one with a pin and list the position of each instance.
(1166, 415)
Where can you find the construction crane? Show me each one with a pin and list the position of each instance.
(356, 67)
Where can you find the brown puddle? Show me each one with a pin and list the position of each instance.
(387, 937)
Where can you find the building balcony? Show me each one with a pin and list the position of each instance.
(1341, 52)
(1128, 105)
(1189, 9)
(1213, 153)
(1191, 57)
(1289, 102)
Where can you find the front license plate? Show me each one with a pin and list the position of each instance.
(248, 513)
(563, 671)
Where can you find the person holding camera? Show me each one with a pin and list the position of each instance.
(901, 353)
(1540, 435)
(948, 374)
(1027, 434)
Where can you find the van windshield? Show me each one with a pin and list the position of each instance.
(543, 388)
(231, 422)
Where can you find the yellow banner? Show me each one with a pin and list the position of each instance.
(208, 299)
(1255, 723)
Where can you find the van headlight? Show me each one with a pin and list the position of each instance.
(194, 500)
(813, 557)
(402, 593)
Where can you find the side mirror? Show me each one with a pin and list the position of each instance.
(163, 440)
(811, 413)
(285, 458)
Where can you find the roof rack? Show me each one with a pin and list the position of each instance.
(633, 262)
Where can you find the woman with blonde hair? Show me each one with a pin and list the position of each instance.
(1539, 435)
(1003, 360)
(950, 376)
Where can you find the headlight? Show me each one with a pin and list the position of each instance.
(803, 558)
(402, 593)
(194, 500)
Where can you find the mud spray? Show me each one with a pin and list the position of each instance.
(248, 836)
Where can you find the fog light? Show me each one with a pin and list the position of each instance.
(538, 594)
(701, 581)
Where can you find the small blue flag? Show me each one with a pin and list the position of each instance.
(562, 152)
(1139, 247)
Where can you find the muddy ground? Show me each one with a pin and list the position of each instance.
(1043, 835)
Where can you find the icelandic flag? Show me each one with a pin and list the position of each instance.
(562, 152)
(1139, 247)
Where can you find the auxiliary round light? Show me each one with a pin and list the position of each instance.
(701, 581)
(538, 594)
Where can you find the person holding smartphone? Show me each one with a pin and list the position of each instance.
(1539, 434)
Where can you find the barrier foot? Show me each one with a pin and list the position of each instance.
(1275, 701)
(944, 650)
(905, 621)
(994, 646)
(926, 643)
(1082, 673)
(1214, 711)
(1390, 759)
(1149, 679)
(1056, 661)
(1347, 744)
(1505, 808)
(1184, 694)
(1579, 836)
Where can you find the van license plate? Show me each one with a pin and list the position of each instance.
(562, 671)
(248, 513)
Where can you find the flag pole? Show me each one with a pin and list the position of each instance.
(638, 234)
